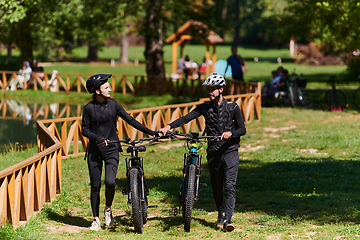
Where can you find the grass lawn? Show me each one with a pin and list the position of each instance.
(298, 179)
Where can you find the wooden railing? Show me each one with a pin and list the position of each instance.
(125, 84)
(26, 186)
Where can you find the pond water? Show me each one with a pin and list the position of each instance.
(18, 121)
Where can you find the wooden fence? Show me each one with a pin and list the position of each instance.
(27, 186)
(125, 84)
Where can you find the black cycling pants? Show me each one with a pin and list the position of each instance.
(223, 174)
(95, 162)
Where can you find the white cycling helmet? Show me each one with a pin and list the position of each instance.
(215, 80)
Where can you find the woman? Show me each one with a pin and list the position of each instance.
(23, 76)
(99, 125)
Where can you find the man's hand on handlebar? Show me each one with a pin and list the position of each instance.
(226, 135)
(164, 130)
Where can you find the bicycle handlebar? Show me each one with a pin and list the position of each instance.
(134, 142)
(193, 136)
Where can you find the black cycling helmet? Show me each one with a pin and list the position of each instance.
(94, 82)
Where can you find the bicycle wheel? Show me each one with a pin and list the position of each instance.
(135, 200)
(189, 197)
(291, 96)
(305, 99)
(356, 98)
(336, 98)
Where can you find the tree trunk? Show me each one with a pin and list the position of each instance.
(153, 40)
(92, 53)
(237, 22)
(154, 59)
(9, 50)
(124, 56)
(223, 16)
(25, 40)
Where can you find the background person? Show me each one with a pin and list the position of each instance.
(23, 76)
(181, 65)
(222, 118)
(99, 124)
(238, 65)
(38, 69)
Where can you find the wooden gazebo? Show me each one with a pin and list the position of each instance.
(194, 30)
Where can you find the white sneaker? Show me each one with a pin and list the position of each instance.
(109, 220)
(95, 225)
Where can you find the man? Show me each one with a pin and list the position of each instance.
(237, 64)
(222, 118)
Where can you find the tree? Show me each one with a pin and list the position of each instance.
(153, 39)
(157, 19)
(332, 23)
(100, 19)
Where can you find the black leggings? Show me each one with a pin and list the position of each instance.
(95, 162)
(223, 174)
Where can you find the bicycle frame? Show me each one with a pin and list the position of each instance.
(191, 158)
(296, 95)
(134, 161)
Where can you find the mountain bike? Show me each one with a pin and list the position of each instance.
(136, 190)
(356, 98)
(335, 98)
(189, 191)
(296, 95)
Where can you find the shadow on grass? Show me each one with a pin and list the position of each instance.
(319, 189)
(67, 218)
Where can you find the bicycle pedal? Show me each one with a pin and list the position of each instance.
(203, 184)
(173, 211)
(124, 191)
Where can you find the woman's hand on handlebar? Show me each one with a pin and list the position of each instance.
(226, 135)
(104, 141)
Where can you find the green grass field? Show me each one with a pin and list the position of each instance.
(298, 179)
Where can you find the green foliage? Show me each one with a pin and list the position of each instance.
(330, 23)
(10, 64)
(353, 66)
(13, 11)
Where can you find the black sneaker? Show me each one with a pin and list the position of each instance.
(220, 221)
(228, 226)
